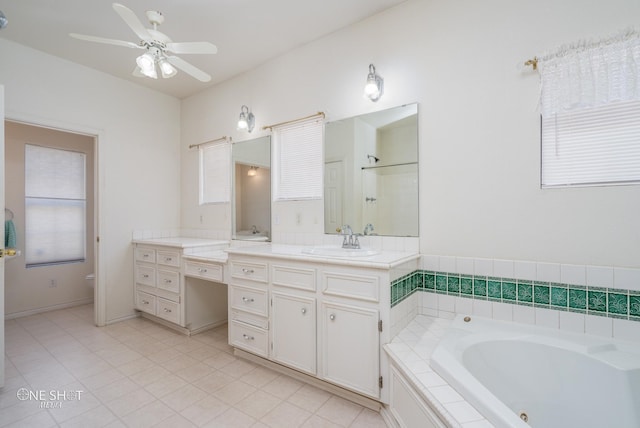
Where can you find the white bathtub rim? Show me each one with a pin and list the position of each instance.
(447, 356)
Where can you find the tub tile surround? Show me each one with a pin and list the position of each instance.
(587, 299)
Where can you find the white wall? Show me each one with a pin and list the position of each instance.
(478, 127)
(138, 132)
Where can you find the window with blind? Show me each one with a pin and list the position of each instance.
(298, 163)
(55, 206)
(215, 182)
(590, 108)
(592, 147)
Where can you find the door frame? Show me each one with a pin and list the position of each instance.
(99, 297)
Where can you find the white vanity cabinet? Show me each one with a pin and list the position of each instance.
(323, 318)
(162, 290)
(158, 282)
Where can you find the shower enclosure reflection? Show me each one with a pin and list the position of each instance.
(252, 189)
(371, 173)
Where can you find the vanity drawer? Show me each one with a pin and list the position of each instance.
(249, 300)
(146, 302)
(168, 280)
(248, 338)
(208, 271)
(249, 271)
(249, 318)
(167, 310)
(294, 277)
(145, 255)
(363, 287)
(168, 258)
(145, 275)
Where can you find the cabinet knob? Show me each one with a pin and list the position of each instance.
(145, 276)
(145, 255)
(304, 311)
(168, 259)
(145, 302)
(167, 310)
(247, 299)
(332, 317)
(247, 337)
(167, 281)
(247, 271)
(201, 270)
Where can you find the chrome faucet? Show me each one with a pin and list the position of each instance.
(349, 240)
(254, 229)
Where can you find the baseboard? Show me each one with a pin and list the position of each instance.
(48, 308)
(367, 402)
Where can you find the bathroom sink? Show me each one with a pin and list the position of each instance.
(334, 251)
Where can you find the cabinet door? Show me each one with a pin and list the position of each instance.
(350, 347)
(294, 331)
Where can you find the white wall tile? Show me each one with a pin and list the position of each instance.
(430, 262)
(429, 300)
(464, 265)
(483, 267)
(547, 318)
(464, 305)
(548, 272)
(446, 303)
(628, 279)
(502, 311)
(573, 274)
(524, 270)
(626, 330)
(599, 326)
(524, 314)
(447, 264)
(599, 276)
(503, 268)
(572, 321)
(482, 308)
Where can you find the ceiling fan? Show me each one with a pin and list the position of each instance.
(159, 48)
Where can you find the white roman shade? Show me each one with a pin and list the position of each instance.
(298, 163)
(55, 206)
(590, 108)
(215, 181)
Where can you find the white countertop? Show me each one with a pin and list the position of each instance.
(382, 260)
(180, 242)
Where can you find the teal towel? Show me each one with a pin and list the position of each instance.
(9, 234)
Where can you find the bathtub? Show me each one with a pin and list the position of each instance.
(527, 376)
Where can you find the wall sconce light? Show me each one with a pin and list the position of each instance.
(247, 120)
(253, 170)
(3, 20)
(374, 88)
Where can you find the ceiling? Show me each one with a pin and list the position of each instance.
(246, 32)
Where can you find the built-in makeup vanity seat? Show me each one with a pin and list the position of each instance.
(324, 317)
(179, 282)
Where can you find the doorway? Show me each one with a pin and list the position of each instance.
(39, 287)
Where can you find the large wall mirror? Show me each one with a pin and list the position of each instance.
(371, 173)
(252, 189)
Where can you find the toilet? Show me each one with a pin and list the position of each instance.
(91, 280)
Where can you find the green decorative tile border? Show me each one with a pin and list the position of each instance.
(608, 302)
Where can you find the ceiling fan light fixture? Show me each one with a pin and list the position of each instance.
(146, 62)
(167, 69)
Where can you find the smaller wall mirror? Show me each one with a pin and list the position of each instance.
(371, 173)
(252, 189)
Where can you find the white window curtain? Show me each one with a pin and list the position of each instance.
(55, 206)
(590, 108)
(298, 160)
(215, 176)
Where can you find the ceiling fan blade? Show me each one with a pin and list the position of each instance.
(189, 69)
(106, 41)
(132, 21)
(192, 48)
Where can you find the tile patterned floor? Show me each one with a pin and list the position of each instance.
(137, 373)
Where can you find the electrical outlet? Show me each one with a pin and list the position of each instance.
(53, 283)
